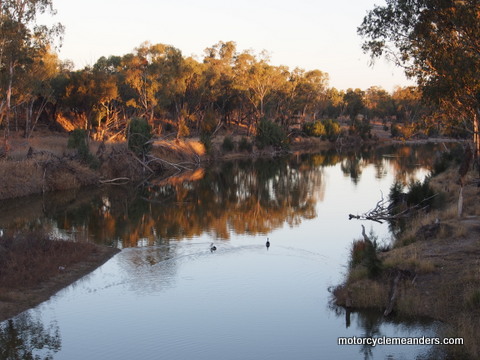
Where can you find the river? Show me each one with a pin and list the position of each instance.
(166, 295)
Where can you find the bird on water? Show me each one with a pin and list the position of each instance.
(267, 244)
(212, 247)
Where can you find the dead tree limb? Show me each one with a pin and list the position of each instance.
(386, 210)
(116, 181)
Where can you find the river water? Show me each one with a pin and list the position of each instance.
(166, 295)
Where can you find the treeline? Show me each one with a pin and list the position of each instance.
(183, 95)
(177, 95)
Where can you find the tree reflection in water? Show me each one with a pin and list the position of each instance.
(24, 336)
(241, 197)
(370, 322)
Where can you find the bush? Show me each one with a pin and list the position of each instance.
(420, 192)
(364, 253)
(270, 134)
(139, 136)
(78, 140)
(206, 140)
(245, 145)
(316, 129)
(332, 129)
(228, 144)
(396, 194)
(447, 159)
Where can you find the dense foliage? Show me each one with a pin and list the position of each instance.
(139, 136)
(185, 96)
(437, 42)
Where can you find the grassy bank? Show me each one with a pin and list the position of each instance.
(436, 264)
(35, 266)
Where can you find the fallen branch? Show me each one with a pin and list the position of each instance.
(177, 166)
(110, 181)
(384, 210)
(143, 164)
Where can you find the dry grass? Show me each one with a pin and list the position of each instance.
(28, 259)
(409, 261)
(446, 267)
(363, 293)
(43, 173)
(20, 178)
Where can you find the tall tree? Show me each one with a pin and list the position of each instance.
(438, 43)
(22, 40)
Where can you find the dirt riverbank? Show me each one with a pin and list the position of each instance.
(434, 267)
(14, 300)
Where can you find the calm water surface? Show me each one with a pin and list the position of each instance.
(166, 296)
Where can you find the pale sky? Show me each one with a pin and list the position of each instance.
(310, 34)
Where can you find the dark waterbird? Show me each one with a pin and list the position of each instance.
(212, 247)
(267, 244)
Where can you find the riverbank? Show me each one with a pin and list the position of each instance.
(35, 267)
(433, 268)
(44, 163)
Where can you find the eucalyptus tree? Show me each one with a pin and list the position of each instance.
(257, 80)
(143, 82)
(106, 82)
(37, 88)
(22, 40)
(408, 104)
(219, 76)
(335, 104)
(378, 102)
(311, 92)
(437, 42)
(354, 102)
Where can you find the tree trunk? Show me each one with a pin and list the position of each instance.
(460, 201)
(476, 139)
(9, 98)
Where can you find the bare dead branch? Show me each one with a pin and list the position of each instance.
(386, 210)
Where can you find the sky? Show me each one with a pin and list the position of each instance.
(309, 34)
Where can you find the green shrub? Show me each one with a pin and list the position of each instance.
(420, 193)
(332, 129)
(78, 140)
(316, 129)
(396, 194)
(228, 144)
(206, 140)
(362, 128)
(364, 253)
(270, 134)
(139, 136)
(448, 158)
(245, 145)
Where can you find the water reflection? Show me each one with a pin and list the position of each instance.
(242, 197)
(372, 324)
(164, 291)
(25, 335)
